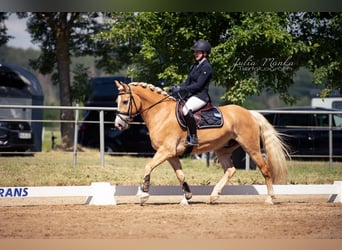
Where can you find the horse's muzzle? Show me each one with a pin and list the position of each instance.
(121, 122)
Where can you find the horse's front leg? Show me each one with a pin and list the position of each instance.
(143, 189)
(177, 167)
(157, 159)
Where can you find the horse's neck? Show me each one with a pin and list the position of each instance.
(155, 107)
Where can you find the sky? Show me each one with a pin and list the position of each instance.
(17, 28)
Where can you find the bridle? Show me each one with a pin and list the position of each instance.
(132, 104)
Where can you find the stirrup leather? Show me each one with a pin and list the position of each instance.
(191, 140)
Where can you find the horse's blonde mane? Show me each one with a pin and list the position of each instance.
(152, 88)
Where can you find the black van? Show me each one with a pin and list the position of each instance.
(134, 140)
(307, 133)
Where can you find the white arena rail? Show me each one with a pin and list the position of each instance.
(98, 193)
(102, 193)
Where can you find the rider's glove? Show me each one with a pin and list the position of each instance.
(174, 89)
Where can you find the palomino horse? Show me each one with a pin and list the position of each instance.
(157, 109)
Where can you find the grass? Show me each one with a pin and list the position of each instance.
(48, 133)
(55, 168)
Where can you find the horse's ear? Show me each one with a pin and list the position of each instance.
(120, 85)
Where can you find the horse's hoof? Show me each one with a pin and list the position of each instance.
(213, 198)
(184, 201)
(269, 200)
(188, 195)
(143, 196)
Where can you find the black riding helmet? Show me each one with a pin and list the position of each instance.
(202, 45)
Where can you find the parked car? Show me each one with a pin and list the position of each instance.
(16, 136)
(134, 140)
(20, 87)
(307, 134)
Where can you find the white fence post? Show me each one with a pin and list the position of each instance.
(76, 135)
(102, 137)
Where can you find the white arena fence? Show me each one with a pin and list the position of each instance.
(102, 193)
(101, 125)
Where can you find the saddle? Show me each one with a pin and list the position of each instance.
(208, 116)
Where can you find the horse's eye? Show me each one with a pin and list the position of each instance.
(125, 102)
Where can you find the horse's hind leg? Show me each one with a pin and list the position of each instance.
(250, 142)
(177, 167)
(224, 157)
(266, 172)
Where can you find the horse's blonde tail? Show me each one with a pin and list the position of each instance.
(276, 150)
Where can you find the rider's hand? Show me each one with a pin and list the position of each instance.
(174, 89)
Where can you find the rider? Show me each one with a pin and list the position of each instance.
(197, 87)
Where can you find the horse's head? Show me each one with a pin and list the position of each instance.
(127, 107)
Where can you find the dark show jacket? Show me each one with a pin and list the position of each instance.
(197, 83)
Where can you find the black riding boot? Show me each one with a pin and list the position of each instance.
(191, 139)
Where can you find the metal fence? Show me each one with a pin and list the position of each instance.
(101, 122)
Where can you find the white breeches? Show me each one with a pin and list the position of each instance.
(193, 103)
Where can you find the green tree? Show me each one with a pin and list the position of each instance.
(323, 31)
(61, 35)
(258, 53)
(80, 88)
(3, 29)
(157, 45)
(252, 51)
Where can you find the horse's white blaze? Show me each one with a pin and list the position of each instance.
(119, 122)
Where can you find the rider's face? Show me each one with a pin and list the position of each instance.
(198, 55)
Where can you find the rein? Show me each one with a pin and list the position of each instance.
(155, 104)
